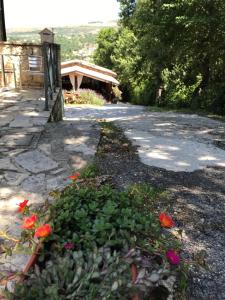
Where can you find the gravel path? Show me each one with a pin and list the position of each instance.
(197, 190)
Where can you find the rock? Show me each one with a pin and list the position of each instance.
(154, 277)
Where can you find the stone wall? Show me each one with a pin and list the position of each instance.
(15, 57)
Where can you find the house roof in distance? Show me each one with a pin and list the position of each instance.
(79, 67)
(46, 31)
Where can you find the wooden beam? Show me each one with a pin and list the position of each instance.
(3, 70)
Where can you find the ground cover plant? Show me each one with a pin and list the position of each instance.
(105, 244)
(84, 96)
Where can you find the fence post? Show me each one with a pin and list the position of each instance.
(46, 83)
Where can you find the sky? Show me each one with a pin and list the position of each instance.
(52, 13)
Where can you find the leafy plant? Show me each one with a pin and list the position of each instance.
(90, 171)
(84, 96)
(103, 217)
(97, 274)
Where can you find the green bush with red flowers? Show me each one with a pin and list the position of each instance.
(105, 244)
(34, 230)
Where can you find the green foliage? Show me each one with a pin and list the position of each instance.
(106, 40)
(170, 53)
(102, 216)
(77, 42)
(97, 274)
(117, 92)
(90, 171)
(110, 231)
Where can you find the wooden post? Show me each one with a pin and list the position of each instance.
(75, 83)
(14, 75)
(44, 51)
(3, 36)
(3, 70)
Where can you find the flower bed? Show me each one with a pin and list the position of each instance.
(84, 96)
(102, 244)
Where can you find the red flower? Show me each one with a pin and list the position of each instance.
(43, 231)
(173, 257)
(22, 206)
(166, 220)
(29, 222)
(74, 176)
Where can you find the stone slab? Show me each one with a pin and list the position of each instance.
(57, 183)
(21, 121)
(34, 183)
(15, 178)
(6, 192)
(13, 140)
(6, 164)
(35, 162)
(80, 148)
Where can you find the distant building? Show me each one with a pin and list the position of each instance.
(78, 74)
(47, 36)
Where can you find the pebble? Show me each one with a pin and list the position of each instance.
(154, 277)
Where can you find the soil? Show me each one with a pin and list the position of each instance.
(196, 201)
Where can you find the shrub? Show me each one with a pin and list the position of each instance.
(100, 217)
(84, 96)
(105, 244)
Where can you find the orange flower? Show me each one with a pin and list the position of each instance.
(22, 206)
(74, 176)
(166, 220)
(43, 231)
(29, 222)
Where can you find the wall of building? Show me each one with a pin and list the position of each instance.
(16, 65)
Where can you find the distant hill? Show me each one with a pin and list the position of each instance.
(77, 42)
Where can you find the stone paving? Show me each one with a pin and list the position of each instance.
(172, 141)
(36, 157)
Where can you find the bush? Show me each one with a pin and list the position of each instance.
(102, 217)
(84, 96)
(105, 244)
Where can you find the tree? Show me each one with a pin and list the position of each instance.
(187, 38)
(106, 42)
(127, 8)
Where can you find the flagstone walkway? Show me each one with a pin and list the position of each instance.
(36, 157)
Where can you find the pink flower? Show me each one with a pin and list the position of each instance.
(69, 246)
(173, 257)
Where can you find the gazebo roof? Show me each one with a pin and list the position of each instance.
(77, 70)
(80, 67)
